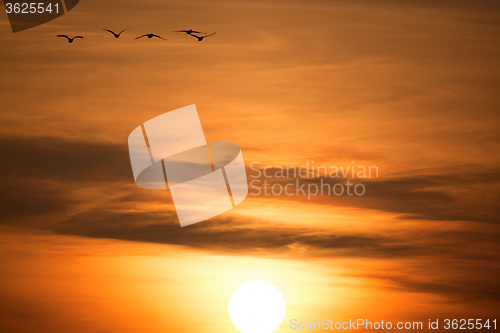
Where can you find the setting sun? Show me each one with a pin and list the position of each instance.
(257, 307)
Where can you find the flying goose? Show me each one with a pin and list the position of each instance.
(200, 38)
(190, 31)
(70, 40)
(150, 36)
(116, 35)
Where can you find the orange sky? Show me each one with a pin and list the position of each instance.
(409, 86)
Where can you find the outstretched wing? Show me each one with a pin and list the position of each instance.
(121, 32)
(181, 31)
(141, 36)
(159, 37)
(194, 36)
(209, 35)
(198, 32)
(64, 36)
(109, 31)
(78, 37)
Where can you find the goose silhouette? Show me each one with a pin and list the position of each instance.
(150, 36)
(200, 38)
(190, 31)
(70, 40)
(116, 35)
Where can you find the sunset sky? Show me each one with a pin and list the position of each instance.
(411, 87)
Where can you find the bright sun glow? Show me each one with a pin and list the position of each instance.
(257, 307)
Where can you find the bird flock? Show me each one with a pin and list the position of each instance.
(189, 32)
